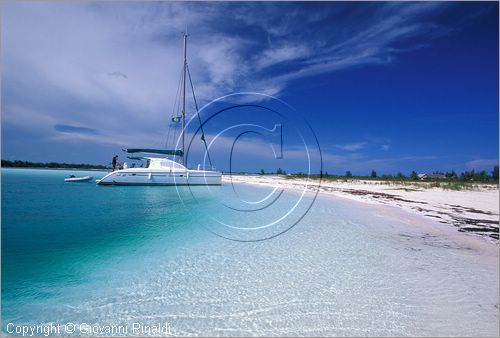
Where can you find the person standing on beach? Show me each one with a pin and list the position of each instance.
(113, 163)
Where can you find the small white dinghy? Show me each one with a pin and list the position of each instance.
(78, 179)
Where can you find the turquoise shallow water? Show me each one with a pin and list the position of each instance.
(81, 253)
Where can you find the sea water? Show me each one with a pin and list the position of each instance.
(81, 253)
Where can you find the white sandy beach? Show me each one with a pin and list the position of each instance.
(472, 211)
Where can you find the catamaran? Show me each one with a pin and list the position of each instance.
(164, 170)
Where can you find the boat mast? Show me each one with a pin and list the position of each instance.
(184, 96)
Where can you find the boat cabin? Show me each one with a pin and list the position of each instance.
(163, 163)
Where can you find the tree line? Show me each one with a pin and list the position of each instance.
(52, 165)
(466, 176)
(472, 175)
(279, 171)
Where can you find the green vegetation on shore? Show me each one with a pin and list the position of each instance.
(467, 180)
(420, 184)
(52, 165)
(466, 176)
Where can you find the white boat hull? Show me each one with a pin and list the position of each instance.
(78, 179)
(139, 176)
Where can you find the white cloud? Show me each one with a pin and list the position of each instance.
(115, 67)
(352, 146)
(481, 164)
(273, 56)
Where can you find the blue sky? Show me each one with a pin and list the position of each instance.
(384, 85)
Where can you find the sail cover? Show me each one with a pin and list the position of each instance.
(155, 151)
